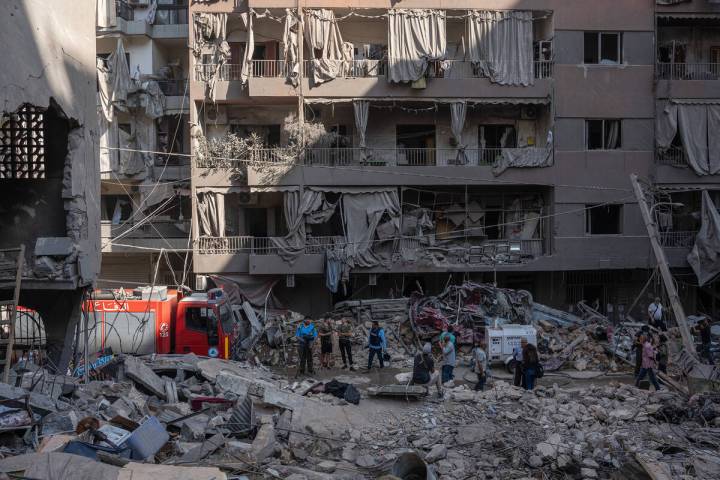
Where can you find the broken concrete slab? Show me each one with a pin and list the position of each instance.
(136, 370)
(54, 246)
(40, 403)
(145, 471)
(203, 450)
(265, 443)
(58, 466)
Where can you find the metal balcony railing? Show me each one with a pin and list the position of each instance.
(677, 239)
(124, 10)
(171, 15)
(688, 71)
(173, 88)
(672, 156)
(224, 245)
(276, 155)
(412, 157)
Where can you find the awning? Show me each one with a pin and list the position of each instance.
(693, 16)
(469, 101)
(353, 189)
(244, 189)
(695, 101)
(688, 187)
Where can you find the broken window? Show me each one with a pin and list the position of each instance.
(199, 318)
(603, 134)
(415, 144)
(22, 143)
(603, 219)
(116, 208)
(603, 48)
(491, 138)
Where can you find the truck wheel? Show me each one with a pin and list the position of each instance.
(511, 366)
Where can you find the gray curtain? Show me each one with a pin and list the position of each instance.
(523, 157)
(705, 255)
(296, 206)
(253, 288)
(362, 213)
(322, 33)
(500, 43)
(457, 123)
(211, 213)
(415, 37)
(612, 135)
(290, 47)
(120, 76)
(361, 109)
(104, 76)
(666, 125)
(698, 125)
(249, 47)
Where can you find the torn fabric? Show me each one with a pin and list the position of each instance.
(500, 43)
(457, 123)
(107, 142)
(249, 48)
(523, 157)
(151, 13)
(211, 213)
(256, 289)
(705, 255)
(693, 122)
(290, 47)
(362, 214)
(211, 34)
(416, 37)
(323, 35)
(104, 76)
(296, 206)
(120, 76)
(361, 109)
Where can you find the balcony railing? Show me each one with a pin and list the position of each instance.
(173, 88)
(677, 239)
(688, 71)
(276, 155)
(456, 69)
(158, 228)
(497, 251)
(171, 15)
(672, 156)
(124, 10)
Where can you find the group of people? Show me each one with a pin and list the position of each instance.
(306, 334)
(527, 365)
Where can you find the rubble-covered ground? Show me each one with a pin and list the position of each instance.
(185, 417)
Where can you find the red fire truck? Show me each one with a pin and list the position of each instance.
(160, 320)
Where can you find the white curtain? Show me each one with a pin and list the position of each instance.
(290, 47)
(457, 123)
(322, 34)
(211, 213)
(361, 109)
(667, 125)
(105, 14)
(415, 38)
(120, 76)
(612, 134)
(104, 77)
(501, 45)
(249, 48)
(107, 142)
(705, 255)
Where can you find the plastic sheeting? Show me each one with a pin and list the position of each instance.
(361, 109)
(705, 255)
(500, 43)
(523, 157)
(322, 34)
(415, 37)
(362, 214)
(211, 213)
(693, 122)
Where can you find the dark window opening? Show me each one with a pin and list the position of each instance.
(603, 134)
(199, 318)
(269, 134)
(491, 138)
(22, 144)
(603, 220)
(116, 208)
(603, 48)
(333, 227)
(256, 224)
(171, 139)
(415, 144)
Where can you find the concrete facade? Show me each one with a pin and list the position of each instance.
(50, 180)
(575, 92)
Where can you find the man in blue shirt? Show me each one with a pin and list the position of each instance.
(306, 335)
(376, 344)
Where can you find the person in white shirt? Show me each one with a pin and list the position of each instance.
(655, 315)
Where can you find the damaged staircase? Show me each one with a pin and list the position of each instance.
(8, 310)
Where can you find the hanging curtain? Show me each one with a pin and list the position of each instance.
(104, 77)
(249, 47)
(211, 33)
(120, 76)
(106, 14)
(362, 213)
(666, 125)
(323, 35)
(457, 123)
(361, 109)
(705, 255)
(612, 135)
(296, 206)
(211, 213)
(501, 45)
(697, 125)
(290, 47)
(415, 38)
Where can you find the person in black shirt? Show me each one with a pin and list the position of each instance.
(703, 329)
(424, 372)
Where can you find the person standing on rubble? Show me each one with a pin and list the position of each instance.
(449, 332)
(517, 356)
(345, 332)
(325, 332)
(448, 352)
(481, 366)
(655, 315)
(424, 372)
(638, 347)
(703, 329)
(376, 344)
(662, 353)
(306, 334)
(648, 363)
(531, 362)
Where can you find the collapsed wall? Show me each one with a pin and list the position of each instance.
(48, 159)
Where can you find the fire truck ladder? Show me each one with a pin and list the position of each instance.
(8, 308)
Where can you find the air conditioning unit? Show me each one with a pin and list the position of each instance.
(247, 198)
(215, 114)
(528, 112)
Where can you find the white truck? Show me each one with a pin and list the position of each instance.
(501, 339)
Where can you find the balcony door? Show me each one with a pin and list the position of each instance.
(415, 144)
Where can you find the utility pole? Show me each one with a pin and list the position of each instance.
(301, 73)
(667, 278)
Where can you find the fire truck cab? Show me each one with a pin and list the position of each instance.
(205, 325)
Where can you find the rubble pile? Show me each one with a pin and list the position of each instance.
(182, 416)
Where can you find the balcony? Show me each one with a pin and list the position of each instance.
(688, 71)
(173, 88)
(674, 156)
(160, 233)
(171, 15)
(683, 240)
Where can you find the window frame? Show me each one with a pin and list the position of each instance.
(604, 126)
(589, 207)
(598, 47)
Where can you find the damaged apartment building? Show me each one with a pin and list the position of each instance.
(49, 207)
(374, 152)
(144, 141)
